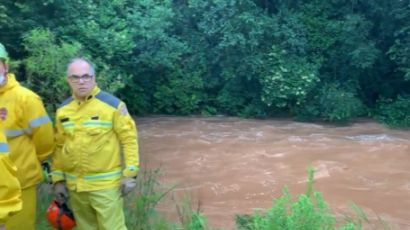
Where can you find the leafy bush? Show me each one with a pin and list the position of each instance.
(395, 113)
(287, 81)
(46, 66)
(179, 95)
(332, 103)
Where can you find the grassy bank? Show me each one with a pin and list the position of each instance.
(309, 211)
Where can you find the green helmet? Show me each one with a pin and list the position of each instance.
(3, 53)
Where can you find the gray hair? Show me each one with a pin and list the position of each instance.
(92, 68)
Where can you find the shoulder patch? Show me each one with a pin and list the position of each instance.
(65, 102)
(123, 110)
(3, 113)
(108, 99)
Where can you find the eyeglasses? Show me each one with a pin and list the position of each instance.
(76, 78)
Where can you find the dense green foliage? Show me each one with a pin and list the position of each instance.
(331, 60)
(395, 112)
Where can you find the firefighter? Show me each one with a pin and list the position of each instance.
(30, 137)
(96, 158)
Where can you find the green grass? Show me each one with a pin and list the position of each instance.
(308, 212)
(44, 198)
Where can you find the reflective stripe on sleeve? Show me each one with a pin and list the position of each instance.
(4, 148)
(17, 132)
(39, 121)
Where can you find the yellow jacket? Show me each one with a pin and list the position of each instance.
(29, 131)
(90, 138)
(10, 192)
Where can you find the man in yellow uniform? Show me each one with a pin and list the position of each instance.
(10, 192)
(30, 137)
(96, 154)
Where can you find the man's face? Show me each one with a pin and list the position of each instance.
(80, 79)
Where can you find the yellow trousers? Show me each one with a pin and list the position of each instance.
(26, 218)
(98, 210)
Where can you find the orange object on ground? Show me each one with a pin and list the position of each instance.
(60, 216)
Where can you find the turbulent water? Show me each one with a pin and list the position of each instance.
(233, 165)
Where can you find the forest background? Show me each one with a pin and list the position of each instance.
(333, 60)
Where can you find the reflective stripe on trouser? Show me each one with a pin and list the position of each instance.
(26, 218)
(99, 210)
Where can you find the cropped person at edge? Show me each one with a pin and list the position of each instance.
(30, 137)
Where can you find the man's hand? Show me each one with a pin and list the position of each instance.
(127, 185)
(60, 192)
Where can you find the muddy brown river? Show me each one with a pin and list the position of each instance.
(233, 165)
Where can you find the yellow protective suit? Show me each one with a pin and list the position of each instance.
(90, 136)
(29, 131)
(30, 136)
(10, 191)
(96, 145)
